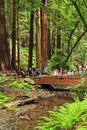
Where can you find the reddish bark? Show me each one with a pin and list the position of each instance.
(44, 36)
(4, 46)
(14, 36)
(31, 40)
(38, 40)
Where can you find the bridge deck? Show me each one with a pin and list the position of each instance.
(57, 80)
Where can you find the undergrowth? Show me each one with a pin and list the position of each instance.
(22, 85)
(66, 117)
(2, 78)
(80, 90)
(3, 99)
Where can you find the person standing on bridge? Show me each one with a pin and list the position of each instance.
(37, 72)
(70, 73)
(30, 71)
(61, 72)
(81, 70)
(46, 71)
(55, 73)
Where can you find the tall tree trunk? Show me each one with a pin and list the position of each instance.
(38, 40)
(18, 40)
(49, 45)
(58, 38)
(44, 36)
(31, 40)
(14, 36)
(4, 46)
(53, 40)
(9, 17)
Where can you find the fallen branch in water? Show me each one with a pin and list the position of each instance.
(22, 102)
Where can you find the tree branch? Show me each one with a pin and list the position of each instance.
(75, 46)
(79, 12)
(85, 2)
(72, 34)
(66, 3)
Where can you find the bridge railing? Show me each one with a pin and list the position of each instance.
(57, 80)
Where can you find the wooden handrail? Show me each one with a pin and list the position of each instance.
(57, 80)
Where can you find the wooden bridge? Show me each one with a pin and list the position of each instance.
(57, 80)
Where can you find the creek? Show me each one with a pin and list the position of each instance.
(41, 109)
(25, 117)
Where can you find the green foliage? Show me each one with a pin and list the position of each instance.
(63, 16)
(81, 56)
(57, 60)
(3, 99)
(11, 107)
(22, 85)
(65, 117)
(2, 78)
(80, 90)
(85, 73)
(24, 58)
(82, 127)
(40, 91)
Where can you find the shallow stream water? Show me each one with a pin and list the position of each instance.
(28, 122)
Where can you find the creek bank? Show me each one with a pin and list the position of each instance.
(11, 114)
(26, 116)
(25, 100)
(26, 108)
(20, 106)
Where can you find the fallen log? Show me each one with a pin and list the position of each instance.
(21, 102)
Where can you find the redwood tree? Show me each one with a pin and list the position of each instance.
(31, 39)
(49, 40)
(38, 39)
(4, 46)
(44, 35)
(14, 36)
(18, 39)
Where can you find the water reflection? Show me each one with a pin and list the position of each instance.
(40, 109)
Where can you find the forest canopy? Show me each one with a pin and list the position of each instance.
(40, 33)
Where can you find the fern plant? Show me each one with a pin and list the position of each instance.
(65, 117)
(3, 98)
(2, 78)
(22, 85)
